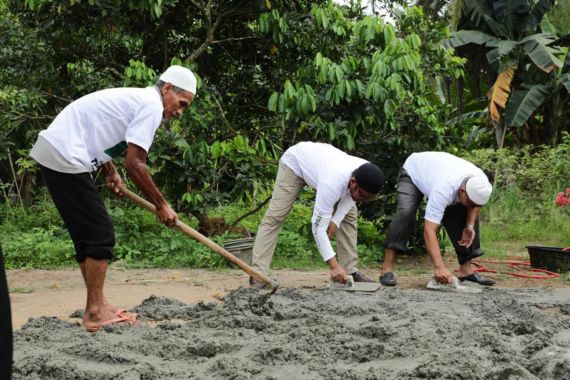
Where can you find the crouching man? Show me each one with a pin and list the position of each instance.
(456, 190)
(340, 181)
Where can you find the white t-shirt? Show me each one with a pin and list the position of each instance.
(439, 175)
(327, 170)
(97, 127)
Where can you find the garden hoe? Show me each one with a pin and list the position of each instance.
(352, 286)
(210, 244)
(455, 286)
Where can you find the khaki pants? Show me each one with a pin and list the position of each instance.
(287, 188)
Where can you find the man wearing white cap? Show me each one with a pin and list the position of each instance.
(456, 190)
(86, 136)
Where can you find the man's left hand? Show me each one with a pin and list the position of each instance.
(331, 230)
(115, 183)
(467, 237)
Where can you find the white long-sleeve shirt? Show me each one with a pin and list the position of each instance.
(327, 170)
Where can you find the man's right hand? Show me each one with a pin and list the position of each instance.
(337, 273)
(115, 183)
(442, 275)
(167, 215)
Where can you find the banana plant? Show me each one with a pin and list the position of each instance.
(522, 48)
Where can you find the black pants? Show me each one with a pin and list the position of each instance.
(83, 212)
(5, 326)
(402, 226)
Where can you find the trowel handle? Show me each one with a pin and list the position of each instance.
(349, 281)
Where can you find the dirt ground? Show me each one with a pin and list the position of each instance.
(198, 324)
(36, 293)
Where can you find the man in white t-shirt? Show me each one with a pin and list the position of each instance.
(86, 136)
(340, 180)
(456, 190)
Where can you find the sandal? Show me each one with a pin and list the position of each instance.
(120, 312)
(123, 317)
(96, 326)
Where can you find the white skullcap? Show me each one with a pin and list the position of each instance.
(478, 189)
(180, 77)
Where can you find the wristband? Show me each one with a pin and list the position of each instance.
(470, 226)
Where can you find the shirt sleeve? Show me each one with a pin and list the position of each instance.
(346, 203)
(438, 201)
(322, 213)
(142, 128)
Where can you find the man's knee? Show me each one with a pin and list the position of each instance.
(103, 253)
(101, 250)
(405, 215)
(274, 220)
(466, 254)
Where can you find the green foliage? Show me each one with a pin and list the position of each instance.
(513, 220)
(521, 210)
(517, 38)
(270, 73)
(366, 84)
(559, 15)
(539, 172)
(40, 240)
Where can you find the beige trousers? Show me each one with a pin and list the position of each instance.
(287, 188)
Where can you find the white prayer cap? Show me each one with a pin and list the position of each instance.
(478, 189)
(180, 77)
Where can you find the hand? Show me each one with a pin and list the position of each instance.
(331, 231)
(115, 183)
(167, 215)
(467, 237)
(443, 276)
(338, 274)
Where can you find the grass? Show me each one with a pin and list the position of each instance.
(21, 290)
(512, 221)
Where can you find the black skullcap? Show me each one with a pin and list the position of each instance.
(369, 177)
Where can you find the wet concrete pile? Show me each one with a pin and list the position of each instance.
(315, 334)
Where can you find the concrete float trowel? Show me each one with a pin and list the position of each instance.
(351, 286)
(210, 244)
(454, 286)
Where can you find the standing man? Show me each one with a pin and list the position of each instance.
(86, 136)
(5, 325)
(340, 180)
(456, 190)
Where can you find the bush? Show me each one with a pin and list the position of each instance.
(521, 210)
(38, 238)
(537, 171)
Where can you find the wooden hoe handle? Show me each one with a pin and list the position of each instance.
(201, 238)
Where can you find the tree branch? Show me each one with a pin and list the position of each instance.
(250, 212)
(235, 39)
(211, 28)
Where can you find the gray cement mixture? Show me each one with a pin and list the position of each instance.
(315, 334)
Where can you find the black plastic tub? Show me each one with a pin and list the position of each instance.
(551, 258)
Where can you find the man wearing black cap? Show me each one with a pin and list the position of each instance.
(340, 180)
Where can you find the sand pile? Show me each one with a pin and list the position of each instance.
(315, 334)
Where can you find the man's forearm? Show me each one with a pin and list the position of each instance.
(472, 215)
(332, 263)
(432, 246)
(138, 172)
